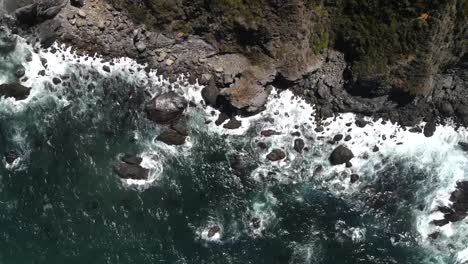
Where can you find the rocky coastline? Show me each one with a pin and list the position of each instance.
(238, 82)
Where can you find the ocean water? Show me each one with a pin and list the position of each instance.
(61, 203)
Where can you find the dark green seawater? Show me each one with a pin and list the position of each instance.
(63, 204)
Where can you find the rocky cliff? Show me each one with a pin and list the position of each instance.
(402, 60)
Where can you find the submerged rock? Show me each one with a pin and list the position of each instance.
(14, 90)
(129, 168)
(341, 155)
(11, 156)
(269, 133)
(276, 155)
(166, 108)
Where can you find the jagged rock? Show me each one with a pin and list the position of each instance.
(166, 108)
(171, 137)
(39, 11)
(213, 231)
(233, 123)
(341, 155)
(14, 90)
(299, 145)
(276, 155)
(130, 168)
(221, 118)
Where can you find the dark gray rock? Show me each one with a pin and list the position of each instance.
(77, 3)
(429, 129)
(276, 155)
(106, 68)
(269, 133)
(213, 231)
(299, 145)
(210, 94)
(14, 90)
(171, 137)
(166, 108)
(130, 171)
(233, 123)
(132, 160)
(338, 137)
(354, 178)
(341, 155)
(56, 80)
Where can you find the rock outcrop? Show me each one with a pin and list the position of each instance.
(166, 108)
(129, 168)
(341, 155)
(14, 90)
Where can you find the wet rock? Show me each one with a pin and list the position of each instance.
(171, 137)
(349, 164)
(256, 222)
(440, 222)
(77, 3)
(415, 130)
(375, 149)
(276, 155)
(319, 129)
(106, 68)
(181, 128)
(459, 208)
(130, 171)
(56, 80)
(318, 171)
(296, 134)
(463, 146)
(354, 178)
(233, 124)
(341, 155)
(11, 156)
(41, 73)
(20, 72)
(429, 129)
(338, 137)
(213, 231)
(262, 145)
(299, 145)
(361, 122)
(269, 133)
(434, 235)
(221, 118)
(166, 108)
(132, 160)
(210, 94)
(14, 90)
(348, 138)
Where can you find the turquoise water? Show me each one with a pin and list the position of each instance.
(63, 204)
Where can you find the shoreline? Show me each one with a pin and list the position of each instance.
(235, 84)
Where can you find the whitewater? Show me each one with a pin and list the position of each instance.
(400, 185)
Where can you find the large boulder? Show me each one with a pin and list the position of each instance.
(14, 90)
(341, 155)
(172, 137)
(166, 108)
(129, 168)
